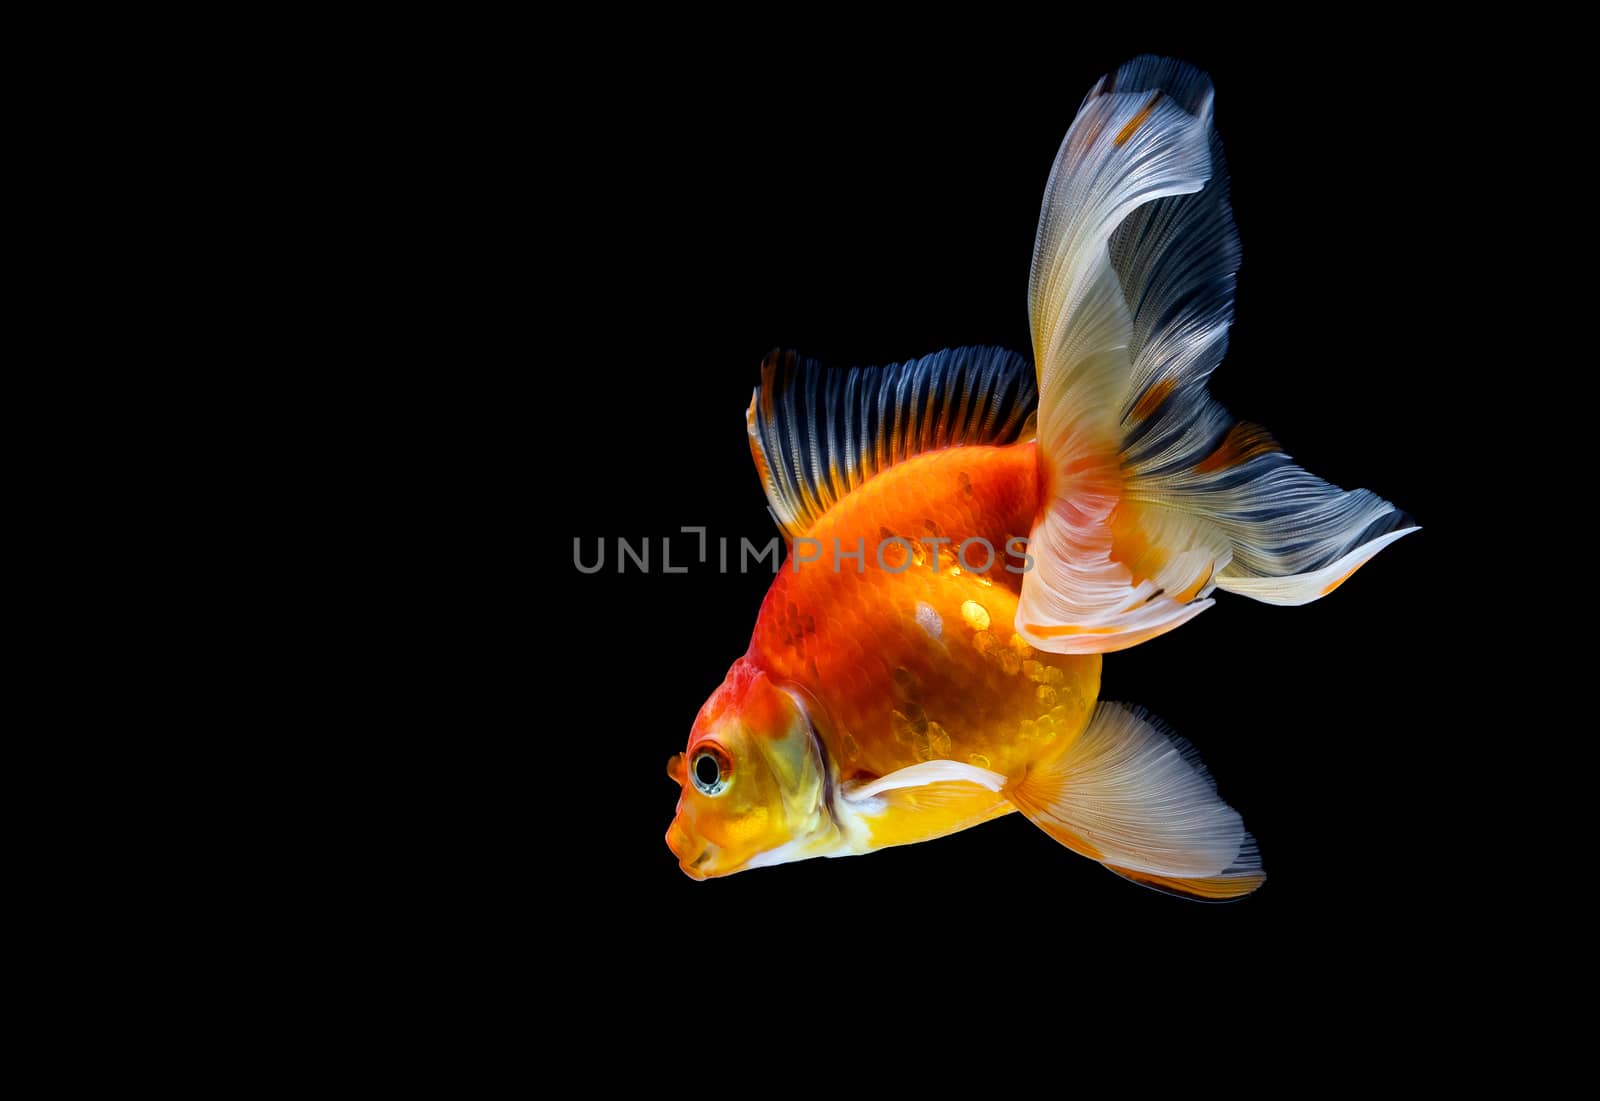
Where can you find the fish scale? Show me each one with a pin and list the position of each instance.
(963, 683)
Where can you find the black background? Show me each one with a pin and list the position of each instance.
(867, 210)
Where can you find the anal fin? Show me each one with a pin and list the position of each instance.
(1135, 797)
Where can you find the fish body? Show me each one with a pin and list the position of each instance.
(916, 660)
(969, 533)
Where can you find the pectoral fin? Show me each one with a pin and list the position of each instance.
(924, 801)
(929, 773)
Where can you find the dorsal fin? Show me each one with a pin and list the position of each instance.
(816, 434)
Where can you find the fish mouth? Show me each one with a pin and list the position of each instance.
(692, 858)
(693, 868)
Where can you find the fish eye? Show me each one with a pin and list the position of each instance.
(710, 771)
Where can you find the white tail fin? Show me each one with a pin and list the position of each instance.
(1156, 495)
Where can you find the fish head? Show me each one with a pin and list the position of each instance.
(755, 785)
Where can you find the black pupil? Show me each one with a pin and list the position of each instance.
(706, 770)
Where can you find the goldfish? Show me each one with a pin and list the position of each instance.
(968, 534)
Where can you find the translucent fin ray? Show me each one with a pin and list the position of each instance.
(1157, 496)
(816, 434)
(1134, 796)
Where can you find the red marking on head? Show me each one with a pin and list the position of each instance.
(748, 695)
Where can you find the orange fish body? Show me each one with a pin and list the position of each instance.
(916, 660)
(969, 533)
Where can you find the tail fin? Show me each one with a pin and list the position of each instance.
(1157, 495)
(1135, 797)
